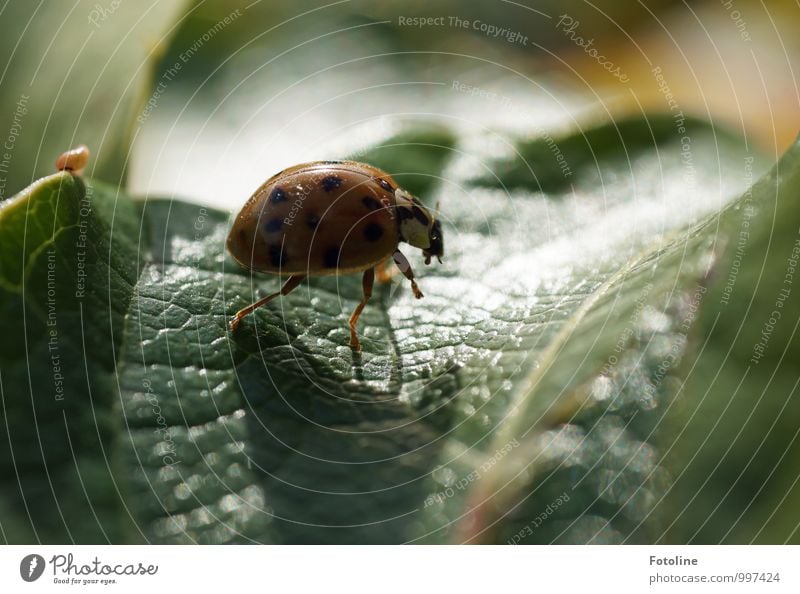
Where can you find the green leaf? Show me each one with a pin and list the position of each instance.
(652, 416)
(534, 395)
(734, 448)
(67, 272)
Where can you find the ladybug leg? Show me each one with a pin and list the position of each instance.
(385, 274)
(366, 283)
(405, 268)
(289, 286)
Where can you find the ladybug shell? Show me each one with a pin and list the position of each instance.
(325, 217)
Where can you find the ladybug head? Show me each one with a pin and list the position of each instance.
(418, 227)
(436, 247)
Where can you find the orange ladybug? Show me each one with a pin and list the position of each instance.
(331, 217)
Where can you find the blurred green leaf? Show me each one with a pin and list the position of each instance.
(734, 448)
(248, 88)
(668, 425)
(76, 73)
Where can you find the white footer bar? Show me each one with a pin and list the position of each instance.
(403, 569)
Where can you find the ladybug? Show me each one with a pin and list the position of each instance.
(331, 217)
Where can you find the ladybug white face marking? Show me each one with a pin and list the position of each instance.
(414, 220)
(330, 217)
(418, 227)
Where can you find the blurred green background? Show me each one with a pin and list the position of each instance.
(286, 82)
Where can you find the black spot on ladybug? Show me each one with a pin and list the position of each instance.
(277, 256)
(404, 213)
(242, 237)
(373, 232)
(370, 203)
(331, 182)
(273, 225)
(278, 195)
(331, 257)
(386, 185)
(419, 215)
(312, 220)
